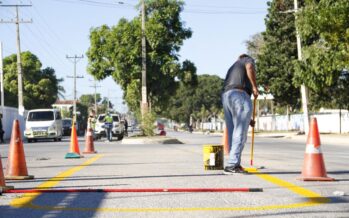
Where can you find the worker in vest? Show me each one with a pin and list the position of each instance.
(108, 123)
(91, 121)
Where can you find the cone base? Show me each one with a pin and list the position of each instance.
(321, 179)
(89, 152)
(19, 177)
(72, 155)
(6, 188)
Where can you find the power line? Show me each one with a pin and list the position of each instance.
(119, 4)
(222, 7)
(48, 48)
(50, 30)
(43, 36)
(192, 9)
(222, 12)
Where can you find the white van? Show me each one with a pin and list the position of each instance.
(43, 124)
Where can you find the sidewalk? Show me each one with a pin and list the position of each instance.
(326, 138)
(150, 140)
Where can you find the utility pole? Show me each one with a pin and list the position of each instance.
(2, 80)
(76, 59)
(144, 104)
(304, 91)
(95, 86)
(19, 63)
(108, 102)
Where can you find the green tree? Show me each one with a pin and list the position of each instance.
(199, 101)
(324, 27)
(275, 61)
(104, 105)
(181, 106)
(116, 51)
(89, 100)
(40, 86)
(255, 45)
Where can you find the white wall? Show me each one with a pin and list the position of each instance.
(10, 114)
(327, 123)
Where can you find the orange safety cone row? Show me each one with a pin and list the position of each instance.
(225, 141)
(89, 146)
(16, 164)
(314, 165)
(3, 186)
(74, 144)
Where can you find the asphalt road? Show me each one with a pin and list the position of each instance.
(144, 166)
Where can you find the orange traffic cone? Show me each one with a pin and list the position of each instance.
(3, 186)
(314, 165)
(16, 164)
(225, 141)
(74, 145)
(89, 147)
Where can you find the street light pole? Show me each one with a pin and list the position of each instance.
(144, 104)
(304, 91)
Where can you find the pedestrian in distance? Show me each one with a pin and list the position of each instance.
(126, 127)
(239, 84)
(2, 132)
(108, 124)
(91, 122)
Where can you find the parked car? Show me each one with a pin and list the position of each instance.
(66, 126)
(118, 129)
(43, 124)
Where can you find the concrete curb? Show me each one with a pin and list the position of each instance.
(151, 140)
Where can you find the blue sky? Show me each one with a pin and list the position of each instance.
(61, 27)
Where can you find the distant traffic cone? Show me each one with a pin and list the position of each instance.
(16, 164)
(225, 141)
(89, 146)
(74, 145)
(3, 186)
(314, 165)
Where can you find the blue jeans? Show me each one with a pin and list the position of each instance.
(237, 108)
(108, 131)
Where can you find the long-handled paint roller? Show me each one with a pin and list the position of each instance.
(253, 119)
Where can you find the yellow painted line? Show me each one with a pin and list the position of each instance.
(282, 183)
(26, 201)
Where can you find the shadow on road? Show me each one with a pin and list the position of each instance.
(57, 205)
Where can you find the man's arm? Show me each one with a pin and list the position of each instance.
(251, 74)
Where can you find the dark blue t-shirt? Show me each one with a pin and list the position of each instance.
(237, 78)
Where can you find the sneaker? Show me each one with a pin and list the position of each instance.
(234, 170)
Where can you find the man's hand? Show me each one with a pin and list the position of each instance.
(252, 123)
(255, 92)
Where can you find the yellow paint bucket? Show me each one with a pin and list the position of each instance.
(213, 157)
